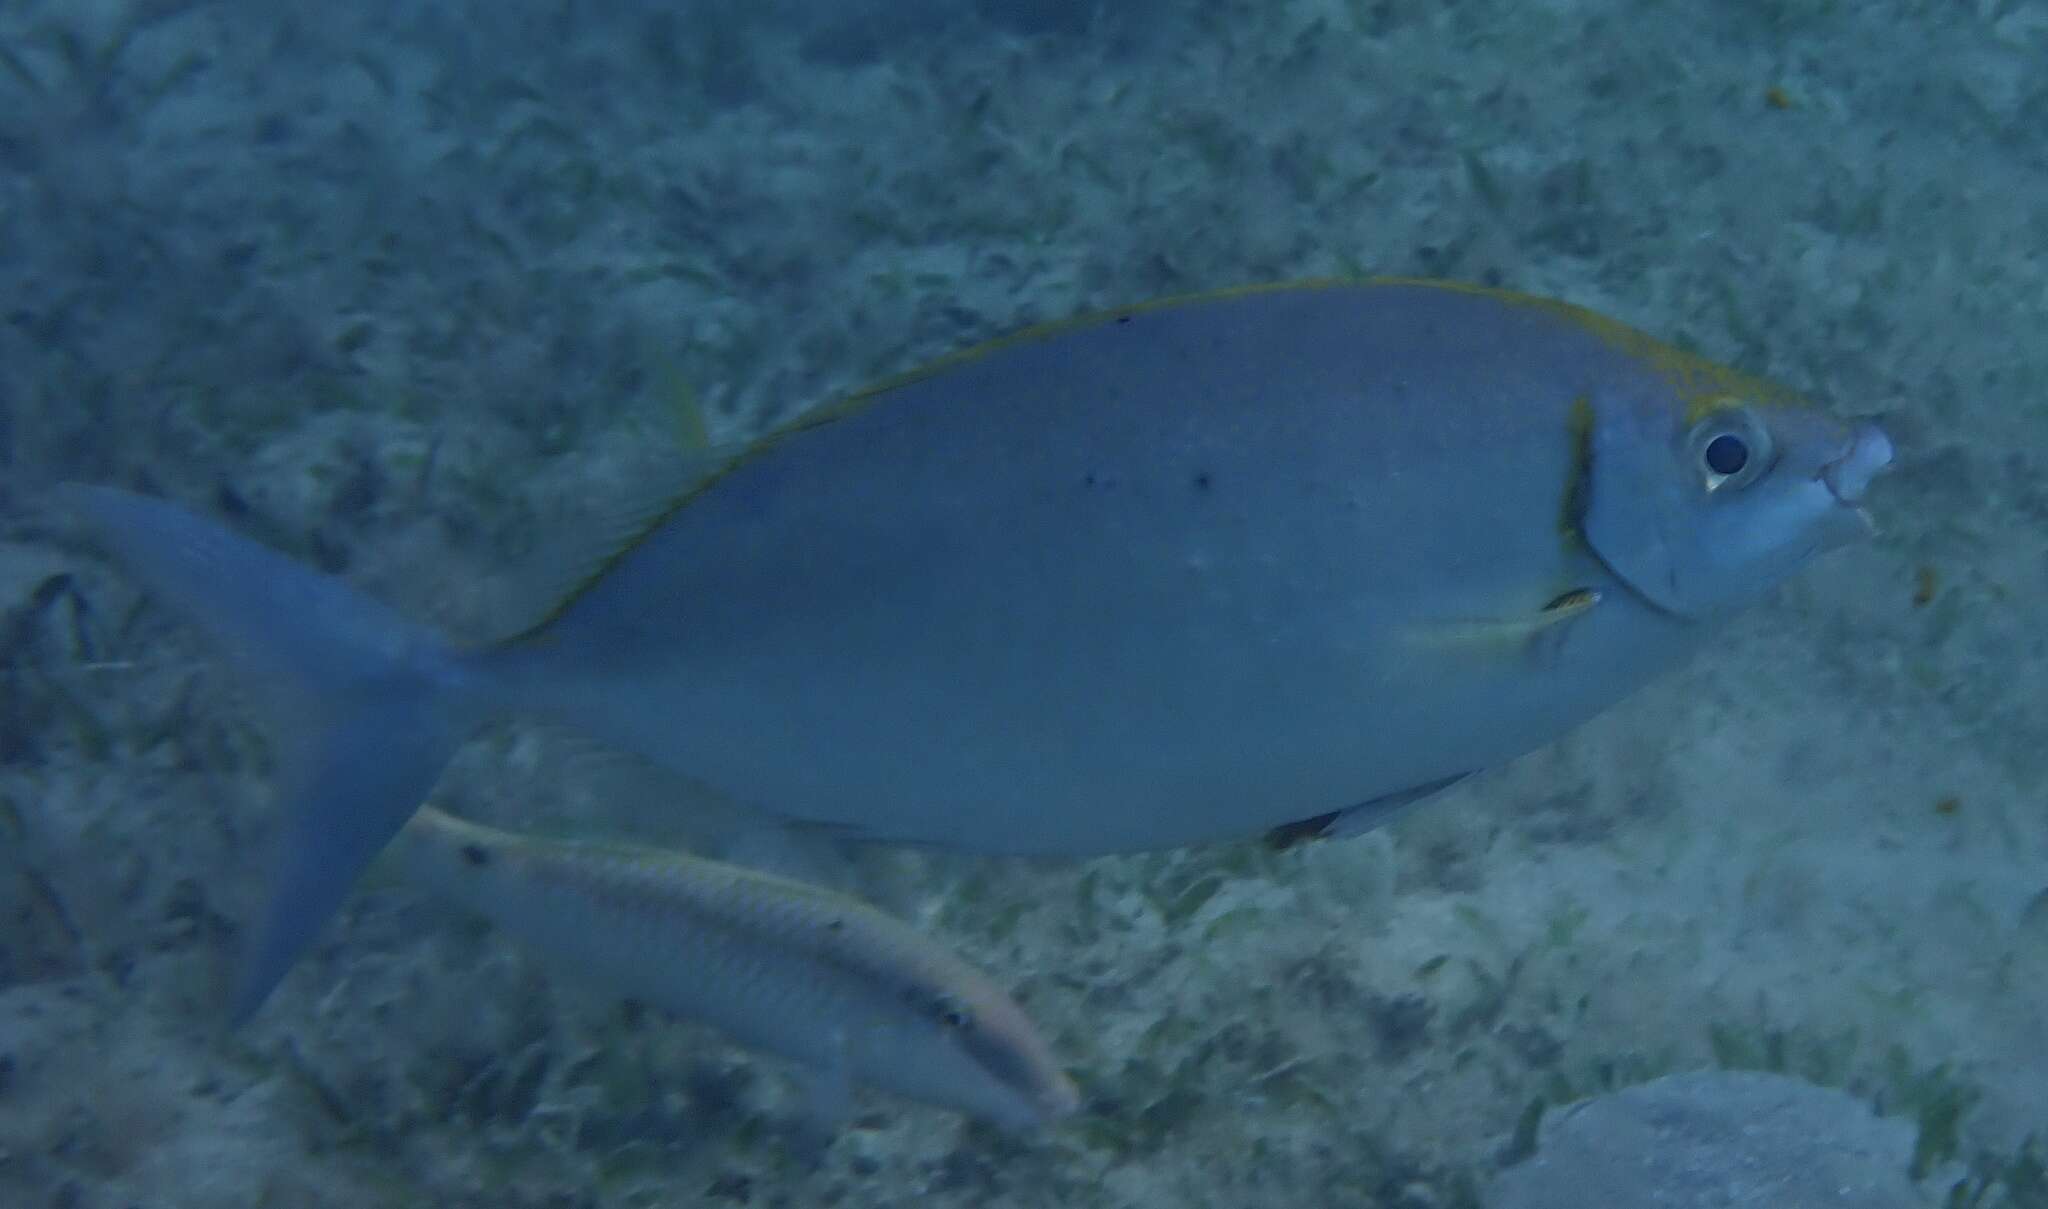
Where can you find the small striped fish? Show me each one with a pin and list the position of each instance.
(854, 995)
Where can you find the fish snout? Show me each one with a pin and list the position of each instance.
(1060, 1098)
(1865, 456)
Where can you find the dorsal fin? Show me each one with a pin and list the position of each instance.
(674, 453)
(559, 577)
(1507, 634)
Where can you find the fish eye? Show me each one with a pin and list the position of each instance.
(1727, 454)
(1730, 448)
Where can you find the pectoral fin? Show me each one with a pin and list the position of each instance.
(1507, 634)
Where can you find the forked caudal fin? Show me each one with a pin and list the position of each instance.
(370, 706)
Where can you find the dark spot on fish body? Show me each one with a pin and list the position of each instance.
(1926, 585)
(1202, 480)
(476, 855)
(1122, 319)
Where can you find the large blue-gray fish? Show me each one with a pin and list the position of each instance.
(1181, 572)
(855, 996)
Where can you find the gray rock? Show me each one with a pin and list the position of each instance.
(1716, 1140)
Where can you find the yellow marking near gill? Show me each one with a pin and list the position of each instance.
(1572, 507)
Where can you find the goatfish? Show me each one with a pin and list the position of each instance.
(855, 996)
(1156, 577)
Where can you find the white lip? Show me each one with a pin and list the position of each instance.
(1868, 452)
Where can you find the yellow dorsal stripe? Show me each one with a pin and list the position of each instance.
(1704, 386)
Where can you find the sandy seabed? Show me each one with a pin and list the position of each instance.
(395, 286)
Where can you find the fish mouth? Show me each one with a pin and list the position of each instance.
(1865, 456)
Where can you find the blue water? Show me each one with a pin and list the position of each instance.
(410, 290)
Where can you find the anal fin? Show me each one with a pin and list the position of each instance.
(1359, 819)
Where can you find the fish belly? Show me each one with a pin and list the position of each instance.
(1141, 582)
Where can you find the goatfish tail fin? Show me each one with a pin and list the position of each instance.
(367, 707)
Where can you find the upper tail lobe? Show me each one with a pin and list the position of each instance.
(372, 705)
